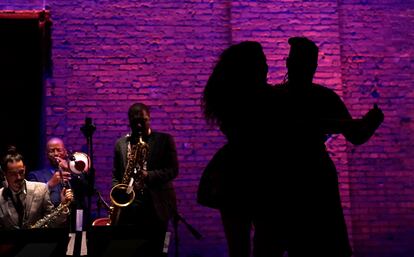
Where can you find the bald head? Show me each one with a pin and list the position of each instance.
(55, 148)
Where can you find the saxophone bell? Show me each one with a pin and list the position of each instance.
(120, 197)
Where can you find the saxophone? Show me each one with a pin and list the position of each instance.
(123, 194)
(61, 209)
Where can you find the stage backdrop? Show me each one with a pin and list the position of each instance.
(109, 54)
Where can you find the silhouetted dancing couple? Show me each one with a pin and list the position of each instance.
(274, 173)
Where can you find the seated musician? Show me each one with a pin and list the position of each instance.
(26, 204)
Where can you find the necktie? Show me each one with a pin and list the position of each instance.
(19, 208)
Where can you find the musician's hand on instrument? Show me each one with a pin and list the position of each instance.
(62, 163)
(66, 176)
(66, 195)
(56, 178)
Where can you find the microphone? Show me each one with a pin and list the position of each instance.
(88, 128)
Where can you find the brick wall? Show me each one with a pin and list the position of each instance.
(377, 64)
(109, 54)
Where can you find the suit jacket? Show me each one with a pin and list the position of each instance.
(78, 185)
(43, 176)
(162, 166)
(36, 205)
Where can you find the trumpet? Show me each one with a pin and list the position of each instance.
(77, 163)
(62, 209)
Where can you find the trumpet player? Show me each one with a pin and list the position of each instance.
(155, 199)
(57, 174)
(23, 203)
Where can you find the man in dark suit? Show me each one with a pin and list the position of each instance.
(22, 202)
(155, 200)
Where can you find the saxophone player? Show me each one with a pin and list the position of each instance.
(23, 203)
(155, 199)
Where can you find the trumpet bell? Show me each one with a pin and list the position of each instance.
(79, 163)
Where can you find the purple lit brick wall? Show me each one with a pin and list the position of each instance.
(109, 54)
(377, 66)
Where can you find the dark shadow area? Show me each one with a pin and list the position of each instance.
(106, 241)
(33, 242)
(24, 55)
(102, 241)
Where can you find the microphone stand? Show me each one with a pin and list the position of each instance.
(88, 129)
(176, 219)
(101, 202)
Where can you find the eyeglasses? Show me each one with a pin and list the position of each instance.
(15, 173)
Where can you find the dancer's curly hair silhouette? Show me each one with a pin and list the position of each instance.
(232, 100)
